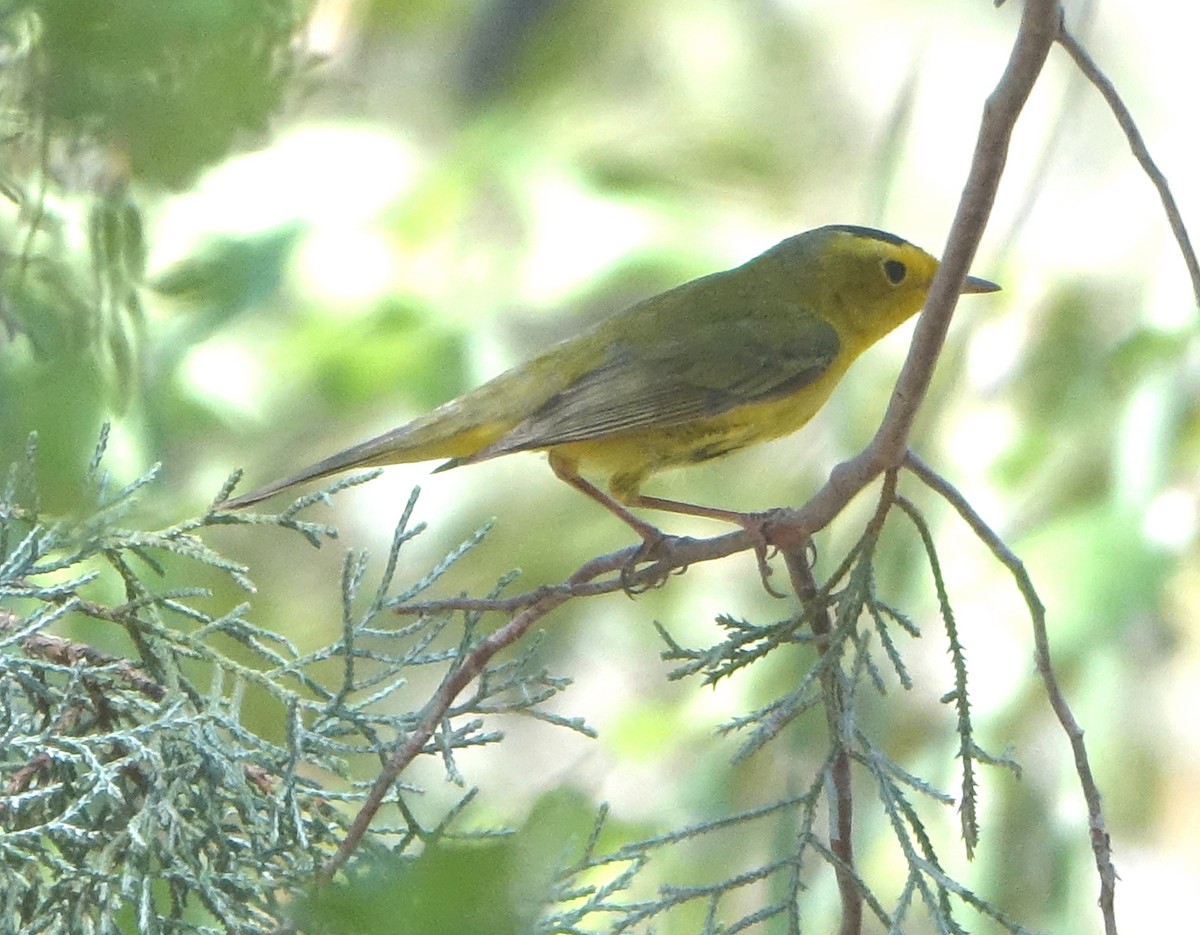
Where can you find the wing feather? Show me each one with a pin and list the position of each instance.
(703, 374)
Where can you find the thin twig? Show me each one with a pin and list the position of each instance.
(675, 554)
(1039, 25)
(1137, 145)
(66, 652)
(482, 605)
(841, 837)
(1101, 844)
(455, 682)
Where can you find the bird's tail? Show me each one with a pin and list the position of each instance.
(388, 448)
(438, 435)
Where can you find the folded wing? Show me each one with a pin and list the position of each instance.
(711, 370)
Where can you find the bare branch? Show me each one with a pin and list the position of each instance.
(71, 653)
(673, 555)
(1101, 844)
(1038, 29)
(454, 683)
(1138, 146)
(1039, 25)
(841, 840)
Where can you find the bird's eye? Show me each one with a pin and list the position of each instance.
(895, 271)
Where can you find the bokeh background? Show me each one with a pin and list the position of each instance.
(343, 215)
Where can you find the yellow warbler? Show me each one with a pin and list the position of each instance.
(711, 366)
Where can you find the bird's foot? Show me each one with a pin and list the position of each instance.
(773, 530)
(655, 550)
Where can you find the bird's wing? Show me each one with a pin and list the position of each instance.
(708, 371)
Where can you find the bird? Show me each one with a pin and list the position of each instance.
(709, 367)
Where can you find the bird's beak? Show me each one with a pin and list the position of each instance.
(975, 284)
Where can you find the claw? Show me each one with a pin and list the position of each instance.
(756, 524)
(658, 551)
(764, 571)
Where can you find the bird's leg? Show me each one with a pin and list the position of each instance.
(738, 518)
(785, 535)
(653, 538)
(565, 471)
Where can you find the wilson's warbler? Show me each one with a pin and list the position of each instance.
(706, 368)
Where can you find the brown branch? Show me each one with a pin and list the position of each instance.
(1101, 844)
(1137, 145)
(841, 836)
(674, 554)
(66, 652)
(452, 685)
(1039, 25)
(1038, 29)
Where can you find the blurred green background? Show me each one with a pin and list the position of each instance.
(267, 230)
